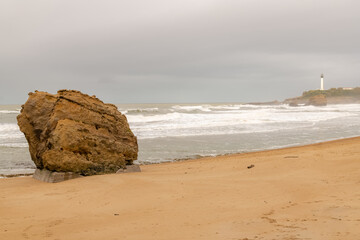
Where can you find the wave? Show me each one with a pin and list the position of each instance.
(5, 172)
(235, 108)
(233, 119)
(10, 111)
(10, 130)
(210, 119)
(14, 145)
(140, 110)
(192, 108)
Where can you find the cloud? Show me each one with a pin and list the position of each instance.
(181, 51)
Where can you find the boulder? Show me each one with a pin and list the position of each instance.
(318, 100)
(74, 132)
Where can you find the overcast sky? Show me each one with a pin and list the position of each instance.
(149, 51)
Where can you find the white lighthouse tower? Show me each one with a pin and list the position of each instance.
(322, 82)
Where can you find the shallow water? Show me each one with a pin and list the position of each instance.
(167, 132)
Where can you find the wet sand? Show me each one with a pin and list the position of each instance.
(308, 192)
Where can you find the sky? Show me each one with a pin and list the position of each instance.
(167, 51)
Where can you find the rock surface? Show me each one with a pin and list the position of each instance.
(73, 132)
(54, 177)
(130, 169)
(318, 100)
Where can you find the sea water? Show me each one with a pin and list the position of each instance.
(169, 132)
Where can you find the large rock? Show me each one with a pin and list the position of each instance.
(73, 132)
(318, 100)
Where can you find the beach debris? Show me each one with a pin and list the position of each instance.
(74, 132)
(251, 166)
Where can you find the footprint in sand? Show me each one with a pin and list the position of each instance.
(25, 232)
(266, 217)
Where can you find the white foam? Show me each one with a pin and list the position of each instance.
(225, 107)
(233, 119)
(14, 145)
(140, 110)
(9, 111)
(190, 108)
(207, 119)
(10, 130)
(10, 171)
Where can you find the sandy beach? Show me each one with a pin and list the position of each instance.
(307, 192)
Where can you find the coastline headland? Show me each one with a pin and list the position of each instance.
(332, 95)
(306, 192)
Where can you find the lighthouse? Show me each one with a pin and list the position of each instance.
(322, 82)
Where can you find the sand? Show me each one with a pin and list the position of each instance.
(308, 192)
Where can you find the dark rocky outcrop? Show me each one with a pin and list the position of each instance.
(74, 132)
(318, 100)
(293, 104)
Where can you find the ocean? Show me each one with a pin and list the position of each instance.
(171, 132)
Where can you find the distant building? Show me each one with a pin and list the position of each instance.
(347, 88)
(322, 82)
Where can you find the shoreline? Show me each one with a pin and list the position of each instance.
(301, 192)
(198, 157)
